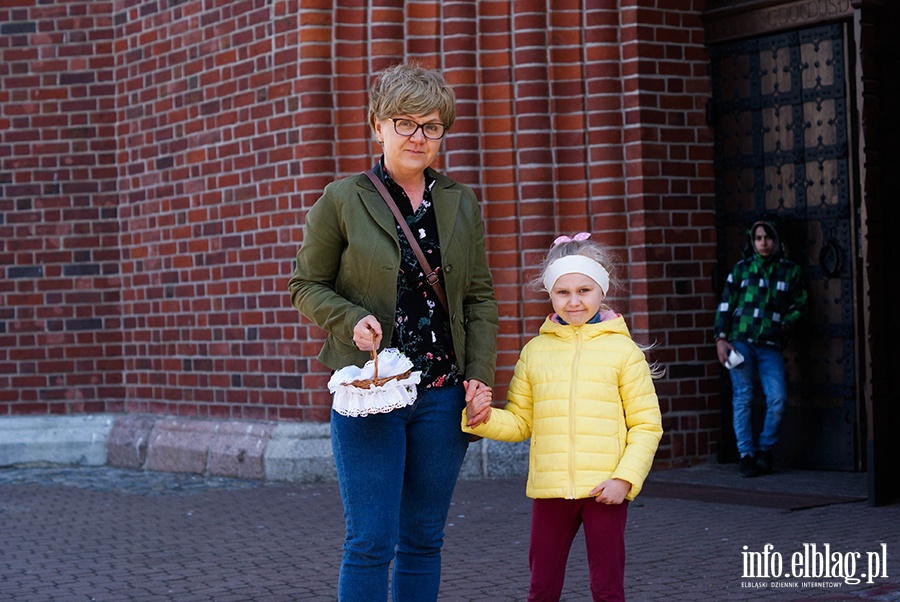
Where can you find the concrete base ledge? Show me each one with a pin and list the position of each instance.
(72, 440)
(290, 452)
(300, 453)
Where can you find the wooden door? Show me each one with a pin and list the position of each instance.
(782, 139)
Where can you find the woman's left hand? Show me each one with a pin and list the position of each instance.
(478, 402)
(611, 491)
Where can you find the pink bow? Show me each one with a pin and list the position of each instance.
(580, 236)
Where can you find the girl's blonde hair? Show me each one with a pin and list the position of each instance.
(573, 246)
(410, 89)
(581, 244)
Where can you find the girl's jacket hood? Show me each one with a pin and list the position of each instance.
(610, 322)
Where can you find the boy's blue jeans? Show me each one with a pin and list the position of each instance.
(769, 363)
(396, 473)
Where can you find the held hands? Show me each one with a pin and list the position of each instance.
(478, 402)
(367, 334)
(611, 491)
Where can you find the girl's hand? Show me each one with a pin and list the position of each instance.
(478, 402)
(611, 491)
(367, 334)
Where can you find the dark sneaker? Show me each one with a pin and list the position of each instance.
(747, 466)
(764, 461)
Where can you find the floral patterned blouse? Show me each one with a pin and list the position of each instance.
(421, 325)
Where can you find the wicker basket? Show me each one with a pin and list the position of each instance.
(387, 382)
(376, 381)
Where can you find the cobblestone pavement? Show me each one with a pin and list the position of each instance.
(109, 535)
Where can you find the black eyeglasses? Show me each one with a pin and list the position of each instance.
(408, 127)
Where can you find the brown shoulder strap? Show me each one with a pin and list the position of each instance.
(431, 276)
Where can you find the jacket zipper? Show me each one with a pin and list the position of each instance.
(572, 382)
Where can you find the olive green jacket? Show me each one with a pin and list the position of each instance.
(349, 259)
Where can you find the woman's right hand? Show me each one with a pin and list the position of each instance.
(367, 334)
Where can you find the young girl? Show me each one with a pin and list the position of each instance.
(583, 392)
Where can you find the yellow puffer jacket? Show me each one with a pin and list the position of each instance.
(586, 398)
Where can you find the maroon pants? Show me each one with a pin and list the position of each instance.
(554, 524)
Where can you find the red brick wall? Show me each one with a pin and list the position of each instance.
(669, 215)
(60, 302)
(158, 158)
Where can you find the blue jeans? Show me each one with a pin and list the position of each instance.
(396, 473)
(769, 363)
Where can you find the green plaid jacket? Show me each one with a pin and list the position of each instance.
(761, 301)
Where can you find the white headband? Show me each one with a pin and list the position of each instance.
(576, 264)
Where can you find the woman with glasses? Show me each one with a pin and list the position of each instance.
(358, 279)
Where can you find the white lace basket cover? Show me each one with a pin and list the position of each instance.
(351, 400)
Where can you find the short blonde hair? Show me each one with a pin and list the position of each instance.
(410, 89)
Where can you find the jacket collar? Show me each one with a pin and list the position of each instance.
(614, 325)
(445, 200)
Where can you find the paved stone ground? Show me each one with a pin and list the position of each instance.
(108, 535)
